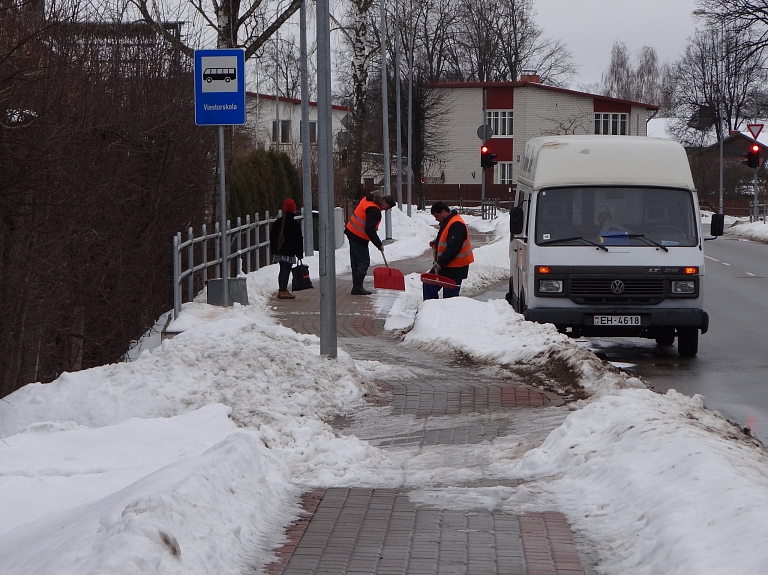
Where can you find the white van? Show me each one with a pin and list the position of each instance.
(606, 239)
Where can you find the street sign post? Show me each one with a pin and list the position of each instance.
(755, 129)
(220, 101)
(220, 87)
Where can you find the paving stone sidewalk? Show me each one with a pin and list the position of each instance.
(366, 531)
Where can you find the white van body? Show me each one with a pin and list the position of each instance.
(611, 241)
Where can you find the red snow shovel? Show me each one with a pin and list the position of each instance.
(388, 278)
(435, 279)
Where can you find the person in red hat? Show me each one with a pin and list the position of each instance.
(287, 245)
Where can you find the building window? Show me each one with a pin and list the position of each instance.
(500, 121)
(505, 172)
(611, 124)
(312, 132)
(285, 131)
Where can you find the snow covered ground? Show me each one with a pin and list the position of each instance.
(757, 231)
(189, 459)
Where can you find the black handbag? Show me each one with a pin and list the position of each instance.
(300, 275)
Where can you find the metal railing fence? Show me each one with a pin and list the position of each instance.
(198, 259)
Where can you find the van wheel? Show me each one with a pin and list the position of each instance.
(688, 341)
(666, 338)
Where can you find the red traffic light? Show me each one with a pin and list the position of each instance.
(755, 148)
(483, 149)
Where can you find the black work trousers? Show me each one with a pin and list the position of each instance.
(359, 257)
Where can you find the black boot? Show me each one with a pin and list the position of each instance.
(357, 285)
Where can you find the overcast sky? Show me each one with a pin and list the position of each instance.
(591, 27)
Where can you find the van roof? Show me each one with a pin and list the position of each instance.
(552, 161)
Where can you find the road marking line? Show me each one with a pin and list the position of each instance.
(713, 259)
(750, 274)
(725, 264)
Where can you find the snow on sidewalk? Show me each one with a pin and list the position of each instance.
(190, 459)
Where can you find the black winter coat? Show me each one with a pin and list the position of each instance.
(294, 240)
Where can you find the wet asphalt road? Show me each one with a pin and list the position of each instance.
(731, 368)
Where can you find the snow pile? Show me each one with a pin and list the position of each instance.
(658, 483)
(189, 459)
(757, 231)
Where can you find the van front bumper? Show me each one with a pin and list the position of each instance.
(582, 320)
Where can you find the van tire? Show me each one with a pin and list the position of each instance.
(688, 341)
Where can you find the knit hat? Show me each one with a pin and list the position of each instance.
(289, 205)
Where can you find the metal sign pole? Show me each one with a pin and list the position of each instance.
(306, 159)
(385, 119)
(328, 335)
(482, 170)
(220, 101)
(223, 222)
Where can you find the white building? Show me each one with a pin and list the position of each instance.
(517, 112)
(265, 111)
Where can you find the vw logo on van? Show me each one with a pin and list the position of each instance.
(617, 286)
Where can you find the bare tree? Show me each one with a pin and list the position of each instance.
(499, 41)
(641, 80)
(722, 74)
(523, 47)
(740, 16)
(236, 23)
(97, 169)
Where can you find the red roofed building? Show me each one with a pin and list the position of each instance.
(517, 112)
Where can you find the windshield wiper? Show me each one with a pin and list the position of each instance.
(573, 239)
(649, 240)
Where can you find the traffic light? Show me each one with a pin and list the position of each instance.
(487, 158)
(753, 157)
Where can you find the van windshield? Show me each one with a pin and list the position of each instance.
(616, 216)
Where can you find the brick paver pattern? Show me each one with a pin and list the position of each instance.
(363, 531)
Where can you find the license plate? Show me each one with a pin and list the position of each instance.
(617, 320)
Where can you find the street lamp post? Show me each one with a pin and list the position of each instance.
(720, 101)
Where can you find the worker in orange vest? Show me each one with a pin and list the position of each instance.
(452, 250)
(361, 229)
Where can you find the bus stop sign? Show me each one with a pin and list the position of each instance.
(220, 87)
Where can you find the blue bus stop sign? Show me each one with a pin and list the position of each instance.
(220, 87)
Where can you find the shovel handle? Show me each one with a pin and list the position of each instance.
(385, 259)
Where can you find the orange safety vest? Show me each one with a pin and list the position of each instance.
(356, 223)
(465, 256)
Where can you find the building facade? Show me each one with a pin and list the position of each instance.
(517, 112)
(276, 123)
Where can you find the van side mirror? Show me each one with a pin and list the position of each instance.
(516, 221)
(718, 225)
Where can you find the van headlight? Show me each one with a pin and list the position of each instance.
(551, 286)
(683, 286)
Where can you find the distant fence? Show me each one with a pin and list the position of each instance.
(198, 259)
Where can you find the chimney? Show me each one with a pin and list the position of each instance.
(527, 75)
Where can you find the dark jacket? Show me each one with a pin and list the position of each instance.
(372, 219)
(294, 241)
(457, 233)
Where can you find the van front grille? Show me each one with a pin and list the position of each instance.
(631, 290)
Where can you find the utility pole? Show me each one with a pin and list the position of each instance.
(306, 154)
(328, 335)
(397, 97)
(385, 118)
